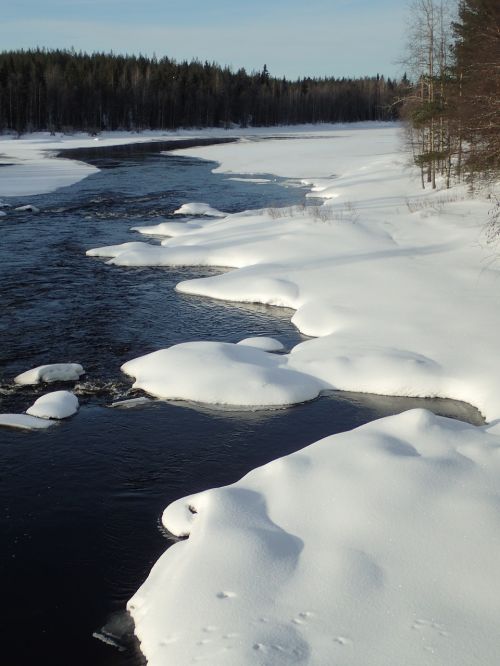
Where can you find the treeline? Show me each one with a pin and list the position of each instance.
(65, 90)
(454, 105)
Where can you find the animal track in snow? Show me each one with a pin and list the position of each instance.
(421, 624)
(302, 617)
(343, 640)
(226, 595)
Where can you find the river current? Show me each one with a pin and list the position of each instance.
(80, 502)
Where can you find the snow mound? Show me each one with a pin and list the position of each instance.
(220, 373)
(263, 343)
(54, 372)
(55, 405)
(24, 422)
(196, 208)
(376, 542)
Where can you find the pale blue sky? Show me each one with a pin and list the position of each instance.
(294, 38)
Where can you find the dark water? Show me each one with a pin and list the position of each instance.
(81, 502)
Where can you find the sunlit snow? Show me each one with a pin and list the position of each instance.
(54, 372)
(55, 405)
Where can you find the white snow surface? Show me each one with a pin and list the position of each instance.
(373, 547)
(54, 405)
(196, 208)
(168, 228)
(29, 164)
(380, 272)
(54, 372)
(376, 546)
(262, 342)
(24, 422)
(227, 374)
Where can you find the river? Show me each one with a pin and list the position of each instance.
(81, 501)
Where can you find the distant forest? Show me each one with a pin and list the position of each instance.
(64, 90)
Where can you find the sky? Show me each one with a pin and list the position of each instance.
(294, 38)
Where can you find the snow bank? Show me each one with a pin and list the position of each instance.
(220, 373)
(29, 165)
(374, 546)
(24, 422)
(370, 547)
(55, 372)
(196, 208)
(380, 273)
(55, 405)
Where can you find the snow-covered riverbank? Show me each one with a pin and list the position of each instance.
(29, 163)
(378, 546)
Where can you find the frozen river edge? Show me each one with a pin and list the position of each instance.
(341, 551)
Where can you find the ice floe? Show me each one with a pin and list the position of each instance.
(24, 422)
(130, 403)
(54, 372)
(55, 405)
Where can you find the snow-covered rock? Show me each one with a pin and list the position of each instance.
(54, 372)
(196, 208)
(55, 405)
(262, 342)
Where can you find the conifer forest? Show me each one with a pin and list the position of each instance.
(64, 91)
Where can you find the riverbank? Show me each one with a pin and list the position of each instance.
(374, 545)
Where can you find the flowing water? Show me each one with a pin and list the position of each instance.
(81, 501)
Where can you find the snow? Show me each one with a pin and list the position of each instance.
(380, 272)
(131, 402)
(29, 208)
(374, 545)
(54, 372)
(377, 542)
(220, 373)
(168, 228)
(195, 208)
(264, 343)
(55, 405)
(24, 422)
